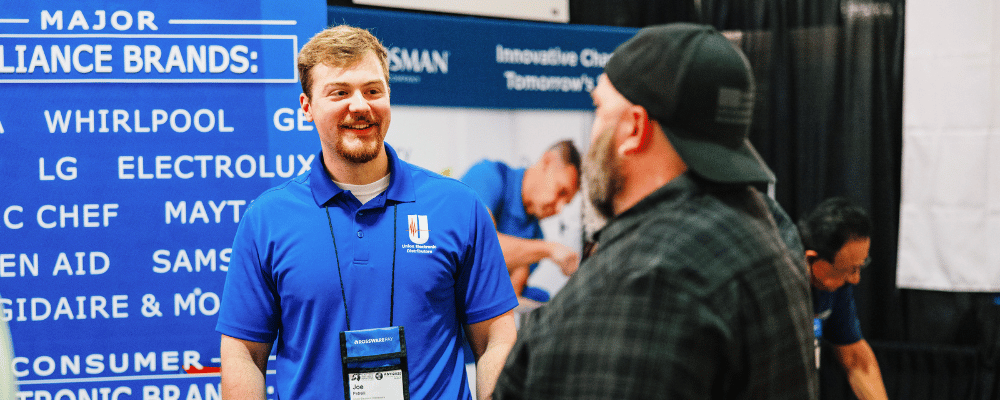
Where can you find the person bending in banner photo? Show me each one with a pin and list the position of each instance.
(364, 274)
(691, 292)
(518, 198)
(837, 237)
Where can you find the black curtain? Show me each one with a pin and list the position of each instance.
(829, 123)
(828, 120)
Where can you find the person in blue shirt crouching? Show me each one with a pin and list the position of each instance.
(837, 237)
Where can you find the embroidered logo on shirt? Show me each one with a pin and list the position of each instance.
(418, 229)
(419, 232)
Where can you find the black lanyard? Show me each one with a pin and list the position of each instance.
(392, 285)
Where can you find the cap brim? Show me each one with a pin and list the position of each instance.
(719, 163)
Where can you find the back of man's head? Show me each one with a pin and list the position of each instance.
(832, 224)
(699, 88)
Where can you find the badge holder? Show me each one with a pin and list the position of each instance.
(374, 360)
(374, 364)
(817, 335)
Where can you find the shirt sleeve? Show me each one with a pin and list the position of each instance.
(786, 228)
(250, 309)
(483, 288)
(484, 178)
(843, 327)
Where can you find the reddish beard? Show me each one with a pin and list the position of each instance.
(370, 146)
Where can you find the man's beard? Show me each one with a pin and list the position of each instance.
(363, 152)
(602, 175)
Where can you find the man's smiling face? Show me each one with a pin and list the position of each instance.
(350, 107)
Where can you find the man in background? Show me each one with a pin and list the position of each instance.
(837, 237)
(691, 292)
(518, 198)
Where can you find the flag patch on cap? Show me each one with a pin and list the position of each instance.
(735, 107)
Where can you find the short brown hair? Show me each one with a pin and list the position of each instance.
(338, 46)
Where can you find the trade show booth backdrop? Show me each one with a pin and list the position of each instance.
(133, 137)
(95, 206)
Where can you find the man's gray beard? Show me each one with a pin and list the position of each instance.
(602, 175)
(593, 221)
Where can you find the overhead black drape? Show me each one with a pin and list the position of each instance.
(828, 120)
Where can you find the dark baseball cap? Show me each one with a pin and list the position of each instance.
(691, 80)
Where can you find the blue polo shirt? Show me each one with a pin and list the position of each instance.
(283, 284)
(499, 187)
(837, 315)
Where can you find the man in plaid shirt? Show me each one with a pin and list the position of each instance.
(691, 292)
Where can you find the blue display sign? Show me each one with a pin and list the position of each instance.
(133, 135)
(481, 63)
(107, 58)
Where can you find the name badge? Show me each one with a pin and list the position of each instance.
(817, 334)
(374, 364)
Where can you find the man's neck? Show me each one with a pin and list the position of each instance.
(646, 173)
(344, 171)
(641, 186)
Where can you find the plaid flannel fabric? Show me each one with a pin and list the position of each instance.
(691, 294)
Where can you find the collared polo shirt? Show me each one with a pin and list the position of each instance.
(499, 187)
(427, 243)
(838, 315)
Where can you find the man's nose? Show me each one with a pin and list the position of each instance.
(358, 103)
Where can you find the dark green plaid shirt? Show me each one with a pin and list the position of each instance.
(690, 295)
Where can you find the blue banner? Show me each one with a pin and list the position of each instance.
(482, 63)
(132, 138)
(133, 135)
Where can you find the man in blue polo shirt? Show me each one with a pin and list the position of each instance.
(837, 236)
(364, 273)
(518, 198)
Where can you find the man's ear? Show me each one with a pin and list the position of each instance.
(304, 102)
(547, 159)
(640, 131)
(811, 257)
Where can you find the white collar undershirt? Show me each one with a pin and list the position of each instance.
(365, 193)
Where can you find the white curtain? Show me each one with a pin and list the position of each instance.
(949, 235)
